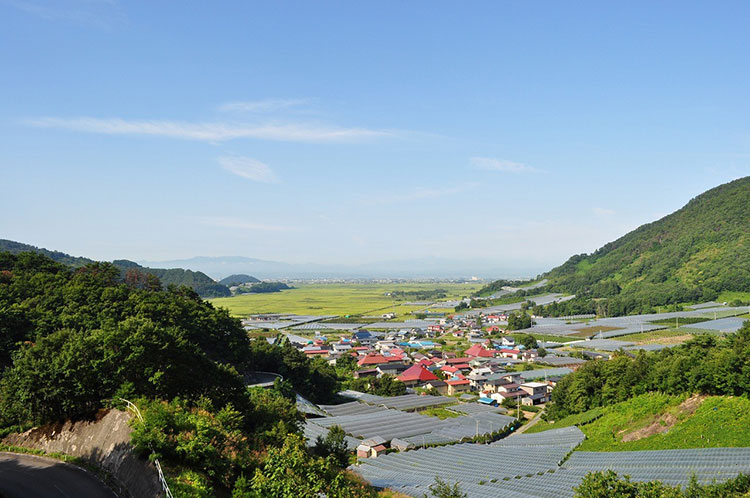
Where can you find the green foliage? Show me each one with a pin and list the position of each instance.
(238, 279)
(719, 421)
(264, 287)
(199, 437)
(386, 385)
(609, 484)
(80, 336)
(274, 415)
(527, 341)
(444, 489)
(705, 364)
(691, 255)
(418, 295)
(519, 321)
(314, 379)
(198, 281)
(334, 445)
(201, 283)
(578, 419)
(291, 472)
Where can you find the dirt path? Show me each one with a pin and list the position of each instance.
(531, 423)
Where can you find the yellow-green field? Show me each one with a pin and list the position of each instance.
(339, 299)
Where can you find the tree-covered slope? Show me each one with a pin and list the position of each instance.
(198, 281)
(237, 279)
(14, 247)
(692, 254)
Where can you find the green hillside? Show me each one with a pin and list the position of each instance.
(198, 281)
(693, 254)
(659, 421)
(238, 279)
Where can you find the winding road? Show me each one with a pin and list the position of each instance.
(30, 476)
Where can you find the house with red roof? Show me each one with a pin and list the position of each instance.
(455, 361)
(479, 351)
(416, 375)
(372, 360)
(449, 369)
(456, 386)
(510, 353)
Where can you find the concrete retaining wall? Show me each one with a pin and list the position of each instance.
(104, 441)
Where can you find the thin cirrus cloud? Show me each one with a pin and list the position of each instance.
(100, 13)
(239, 224)
(259, 106)
(249, 168)
(213, 131)
(492, 164)
(420, 193)
(603, 211)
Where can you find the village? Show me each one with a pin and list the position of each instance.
(483, 381)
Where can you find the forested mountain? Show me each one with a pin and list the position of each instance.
(237, 279)
(198, 281)
(690, 255)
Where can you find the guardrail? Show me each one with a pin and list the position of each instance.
(131, 406)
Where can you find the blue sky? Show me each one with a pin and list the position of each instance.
(512, 133)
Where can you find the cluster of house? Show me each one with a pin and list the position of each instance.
(480, 369)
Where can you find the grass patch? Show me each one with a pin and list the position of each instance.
(338, 299)
(578, 419)
(545, 337)
(663, 336)
(729, 296)
(658, 422)
(439, 412)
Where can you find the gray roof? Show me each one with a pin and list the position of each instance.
(547, 372)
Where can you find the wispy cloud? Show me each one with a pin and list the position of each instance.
(603, 211)
(238, 224)
(493, 164)
(213, 131)
(419, 193)
(249, 168)
(99, 13)
(258, 106)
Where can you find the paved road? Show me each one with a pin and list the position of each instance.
(29, 476)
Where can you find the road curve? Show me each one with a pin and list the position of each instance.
(30, 476)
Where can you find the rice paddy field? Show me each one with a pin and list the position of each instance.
(342, 299)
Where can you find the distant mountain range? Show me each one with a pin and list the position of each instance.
(218, 267)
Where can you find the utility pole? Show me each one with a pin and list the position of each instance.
(518, 400)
